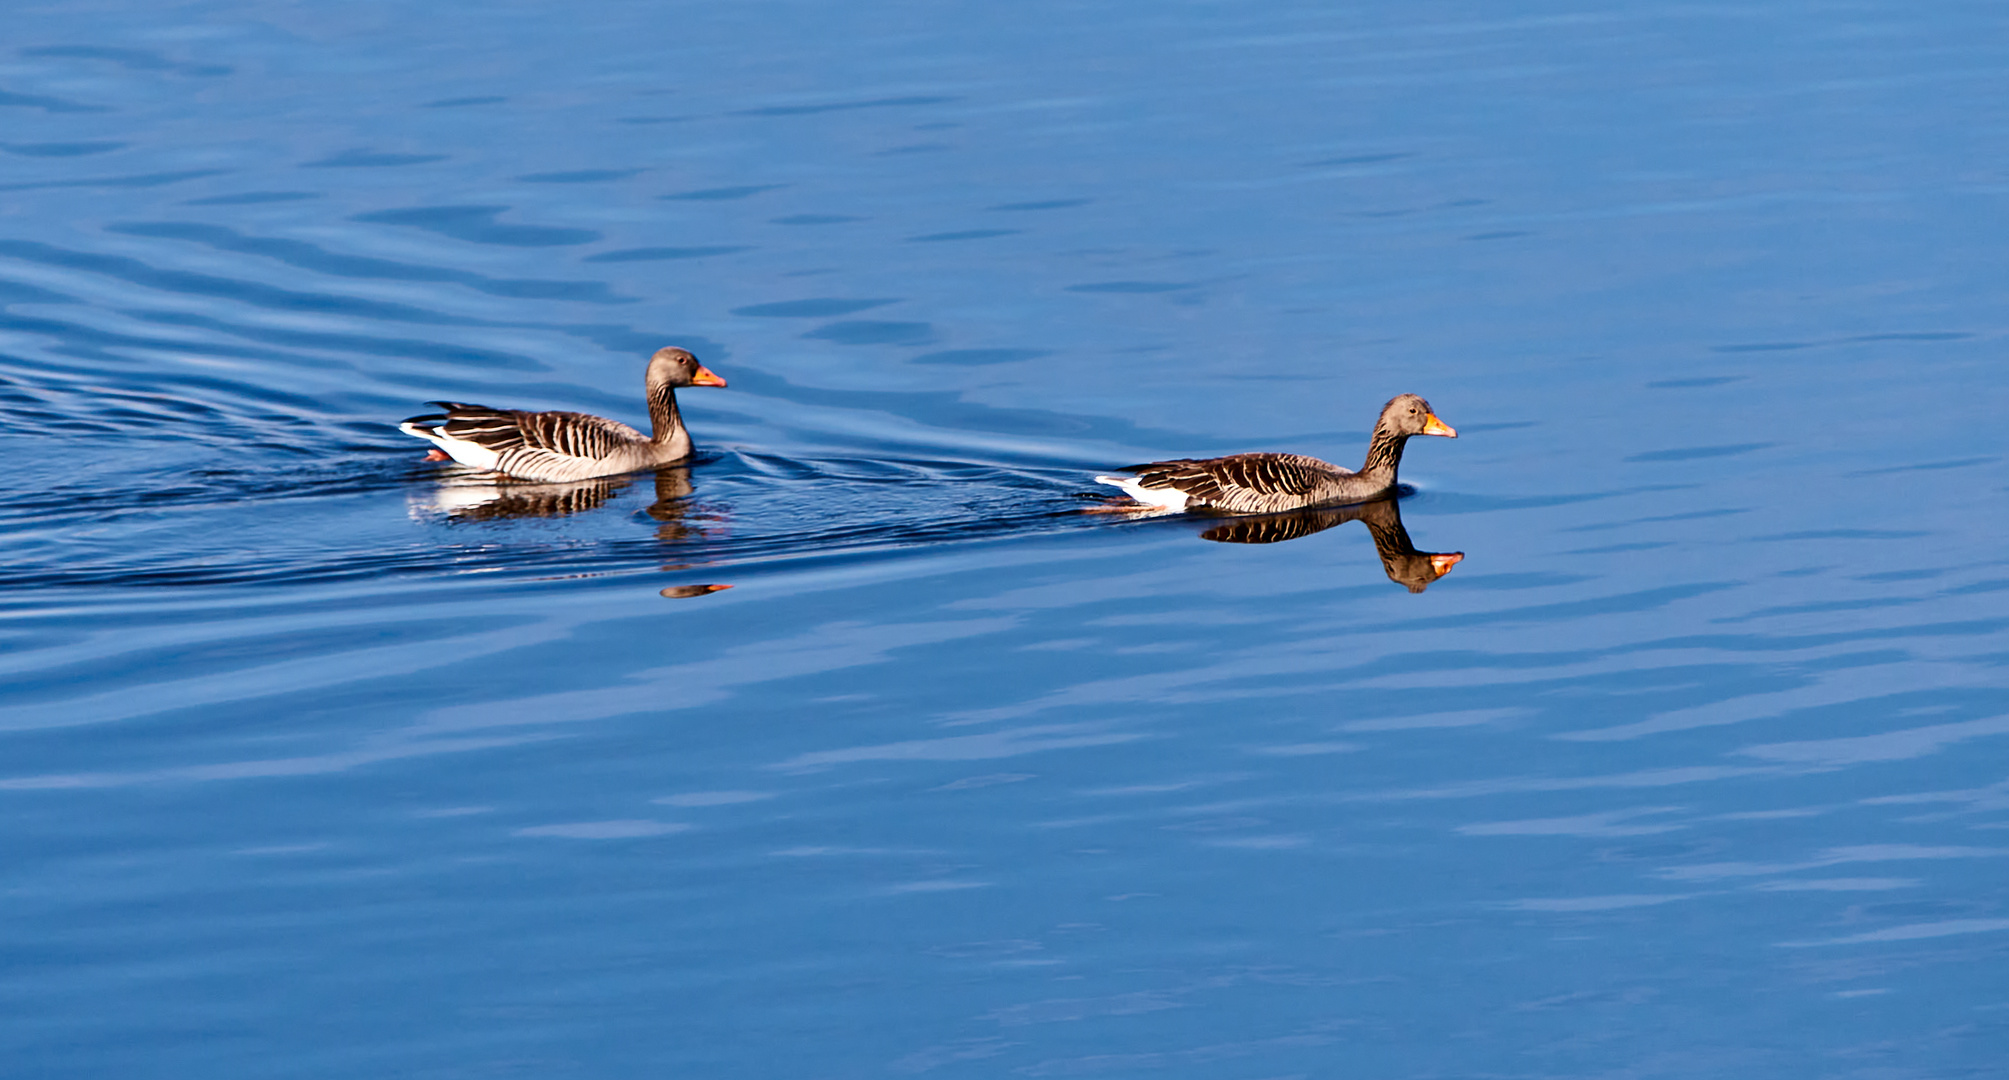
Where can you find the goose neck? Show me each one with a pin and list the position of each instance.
(663, 414)
(1384, 455)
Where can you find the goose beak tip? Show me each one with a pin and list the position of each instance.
(1434, 426)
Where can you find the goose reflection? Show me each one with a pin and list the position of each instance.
(467, 498)
(484, 497)
(1406, 566)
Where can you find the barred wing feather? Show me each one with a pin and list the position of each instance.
(1247, 483)
(578, 435)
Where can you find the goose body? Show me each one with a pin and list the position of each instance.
(1273, 483)
(566, 446)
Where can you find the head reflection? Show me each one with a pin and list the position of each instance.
(685, 592)
(1406, 566)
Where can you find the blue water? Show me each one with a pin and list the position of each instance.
(317, 760)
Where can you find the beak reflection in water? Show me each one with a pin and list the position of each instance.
(683, 592)
(1406, 566)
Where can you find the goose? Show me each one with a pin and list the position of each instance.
(565, 446)
(1270, 483)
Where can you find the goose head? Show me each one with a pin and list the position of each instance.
(1408, 414)
(675, 367)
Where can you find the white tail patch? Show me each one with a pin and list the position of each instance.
(1164, 498)
(474, 455)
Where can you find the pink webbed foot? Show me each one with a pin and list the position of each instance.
(436, 455)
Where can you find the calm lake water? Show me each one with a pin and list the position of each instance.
(317, 760)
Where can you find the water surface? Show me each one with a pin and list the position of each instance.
(323, 761)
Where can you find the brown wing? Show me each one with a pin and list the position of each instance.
(578, 435)
(1250, 483)
(538, 434)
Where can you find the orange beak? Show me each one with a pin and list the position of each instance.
(704, 377)
(1442, 564)
(1431, 426)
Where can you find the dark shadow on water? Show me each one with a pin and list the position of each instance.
(60, 149)
(1406, 566)
(361, 158)
(479, 225)
(322, 260)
